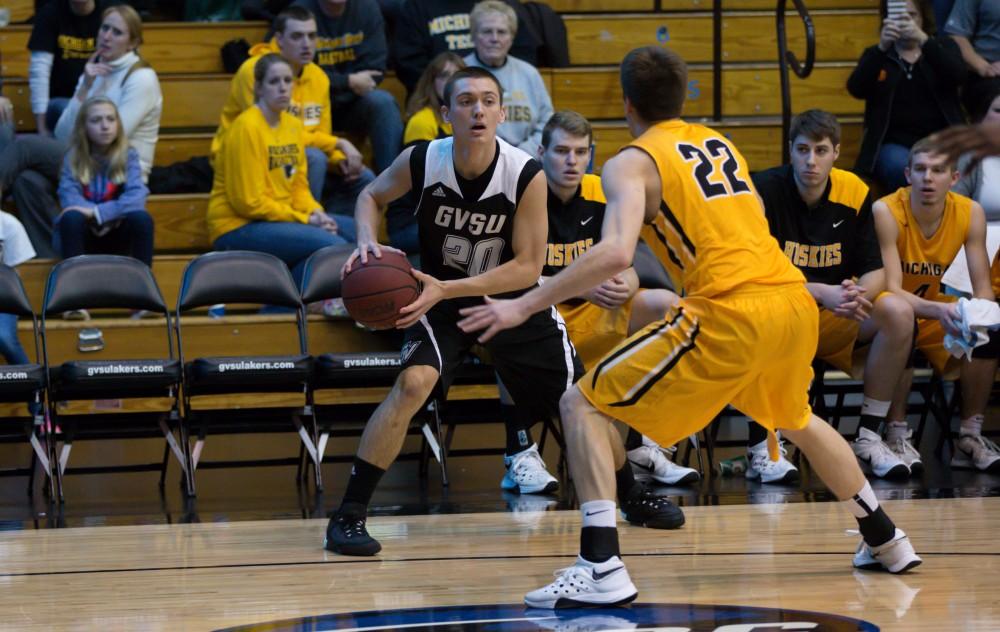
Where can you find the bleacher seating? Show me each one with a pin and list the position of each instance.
(186, 56)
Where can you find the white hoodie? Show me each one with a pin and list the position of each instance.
(139, 102)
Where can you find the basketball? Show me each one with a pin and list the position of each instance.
(374, 292)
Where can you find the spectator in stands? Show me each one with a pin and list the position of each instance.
(260, 198)
(30, 166)
(101, 192)
(62, 39)
(910, 82)
(981, 180)
(942, 8)
(975, 25)
(6, 122)
(16, 250)
(525, 99)
(423, 110)
(335, 164)
(424, 124)
(429, 27)
(352, 49)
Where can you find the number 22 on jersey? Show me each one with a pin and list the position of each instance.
(706, 159)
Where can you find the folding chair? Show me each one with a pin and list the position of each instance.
(255, 278)
(321, 281)
(25, 384)
(109, 282)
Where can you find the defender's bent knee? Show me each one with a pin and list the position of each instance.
(415, 383)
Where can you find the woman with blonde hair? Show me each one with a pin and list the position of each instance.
(101, 191)
(30, 166)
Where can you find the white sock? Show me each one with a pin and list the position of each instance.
(599, 513)
(875, 407)
(894, 429)
(864, 503)
(972, 426)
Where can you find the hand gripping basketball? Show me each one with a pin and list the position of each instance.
(374, 289)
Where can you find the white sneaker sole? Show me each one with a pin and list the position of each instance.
(547, 488)
(624, 595)
(963, 462)
(645, 477)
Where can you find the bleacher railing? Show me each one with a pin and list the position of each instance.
(787, 59)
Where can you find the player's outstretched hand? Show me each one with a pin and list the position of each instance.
(432, 291)
(847, 300)
(494, 316)
(362, 252)
(978, 140)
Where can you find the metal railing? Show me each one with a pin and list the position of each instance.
(787, 59)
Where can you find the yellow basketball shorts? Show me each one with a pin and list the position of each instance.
(594, 330)
(752, 349)
(837, 338)
(930, 342)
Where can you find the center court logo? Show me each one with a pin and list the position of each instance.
(645, 617)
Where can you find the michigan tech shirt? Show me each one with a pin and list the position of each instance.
(830, 242)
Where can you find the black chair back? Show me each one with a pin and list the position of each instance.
(321, 274)
(100, 282)
(237, 276)
(13, 299)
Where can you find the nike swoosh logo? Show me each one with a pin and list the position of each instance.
(594, 513)
(648, 468)
(599, 576)
(835, 224)
(586, 221)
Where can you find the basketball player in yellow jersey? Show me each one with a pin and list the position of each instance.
(921, 229)
(743, 334)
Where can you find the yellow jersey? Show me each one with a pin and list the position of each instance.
(924, 259)
(711, 233)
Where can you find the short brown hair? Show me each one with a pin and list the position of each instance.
(925, 146)
(569, 121)
(470, 72)
(815, 125)
(264, 64)
(294, 12)
(654, 80)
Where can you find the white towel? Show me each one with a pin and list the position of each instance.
(976, 316)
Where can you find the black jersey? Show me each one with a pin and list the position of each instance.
(466, 227)
(575, 226)
(830, 242)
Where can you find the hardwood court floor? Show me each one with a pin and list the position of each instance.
(213, 575)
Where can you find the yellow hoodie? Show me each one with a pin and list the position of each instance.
(260, 175)
(310, 103)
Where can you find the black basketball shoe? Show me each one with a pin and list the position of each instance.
(644, 508)
(347, 535)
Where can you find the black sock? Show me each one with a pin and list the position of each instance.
(871, 422)
(633, 439)
(518, 431)
(360, 487)
(874, 524)
(755, 433)
(598, 544)
(625, 481)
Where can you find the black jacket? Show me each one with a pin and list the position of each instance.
(875, 79)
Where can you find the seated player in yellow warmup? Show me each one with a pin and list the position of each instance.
(602, 317)
(921, 229)
(822, 219)
(744, 333)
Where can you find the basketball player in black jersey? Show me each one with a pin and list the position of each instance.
(482, 223)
